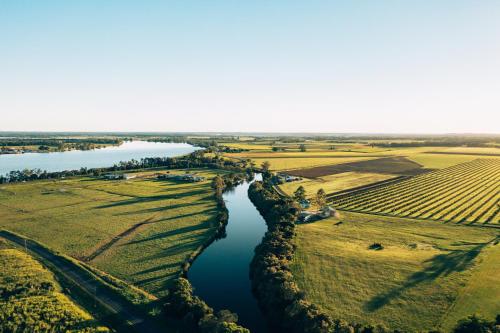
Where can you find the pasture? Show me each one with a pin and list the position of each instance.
(334, 183)
(32, 300)
(464, 193)
(427, 275)
(140, 230)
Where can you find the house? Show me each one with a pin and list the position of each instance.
(326, 211)
(283, 177)
(309, 216)
(112, 176)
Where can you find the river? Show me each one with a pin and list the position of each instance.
(96, 158)
(220, 275)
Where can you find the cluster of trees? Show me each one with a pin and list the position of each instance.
(319, 198)
(272, 280)
(193, 160)
(195, 314)
(442, 142)
(58, 143)
(477, 324)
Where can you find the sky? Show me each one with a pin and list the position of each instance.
(430, 66)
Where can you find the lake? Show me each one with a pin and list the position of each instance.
(96, 158)
(220, 275)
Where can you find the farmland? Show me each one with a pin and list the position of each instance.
(140, 230)
(335, 182)
(32, 300)
(428, 275)
(464, 193)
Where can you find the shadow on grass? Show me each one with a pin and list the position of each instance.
(437, 266)
(162, 208)
(173, 232)
(152, 198)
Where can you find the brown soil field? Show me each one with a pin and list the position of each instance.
(389, 165)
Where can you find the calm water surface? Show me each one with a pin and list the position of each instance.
(97, 158)
(220, 275)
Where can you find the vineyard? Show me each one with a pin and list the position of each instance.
(464, 193)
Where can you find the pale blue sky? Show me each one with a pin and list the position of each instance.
(316, 66)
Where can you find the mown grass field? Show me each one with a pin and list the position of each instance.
(465, 193)
(428, 275)
(32, 300)
(140, 230)
(334, 183)
(440, 161)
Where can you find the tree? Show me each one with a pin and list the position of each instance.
(265, 166)
(474, 324)
(218, 184)
(300, 193)
(302, 147)
(320, 197)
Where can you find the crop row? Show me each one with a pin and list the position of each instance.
(467, 192)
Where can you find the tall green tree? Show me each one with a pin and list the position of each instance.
(320, 197)
(302, 148)
(218, 184)
(300, 193)
(265, 166)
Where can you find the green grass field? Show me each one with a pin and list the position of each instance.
(32, 300)
(440, 161)
(428, 275)
(140, 230)
(334, 183)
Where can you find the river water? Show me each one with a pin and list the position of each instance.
(220, 275)
(96, 158)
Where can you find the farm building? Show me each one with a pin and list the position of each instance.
(116, 176)
(186, 177)
(311, 216)
(287, 178)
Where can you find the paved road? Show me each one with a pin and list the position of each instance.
(133, 320)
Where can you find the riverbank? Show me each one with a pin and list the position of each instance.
(220, 274)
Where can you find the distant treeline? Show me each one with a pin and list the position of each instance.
(283, 302)
(432, 143)
(193, 160)
(56, 142)
(194, 313)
